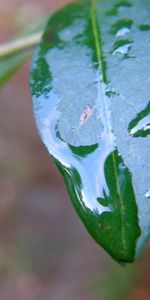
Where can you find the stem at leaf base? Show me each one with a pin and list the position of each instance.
(20, 44)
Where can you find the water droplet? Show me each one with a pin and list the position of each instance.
(140, 125)
(147, 194)
(122, 32)
(122, 47)
(121, 27)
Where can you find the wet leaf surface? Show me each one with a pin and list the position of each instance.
(89, 81)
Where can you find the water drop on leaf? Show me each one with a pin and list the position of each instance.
(91, 104)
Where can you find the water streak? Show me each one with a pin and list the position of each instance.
(140, 125)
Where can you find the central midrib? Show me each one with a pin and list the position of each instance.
(102, 71)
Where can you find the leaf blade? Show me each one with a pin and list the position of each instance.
(81, 109)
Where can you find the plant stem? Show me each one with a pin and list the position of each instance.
(20, 44)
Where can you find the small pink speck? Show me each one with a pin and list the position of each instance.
(87, 113)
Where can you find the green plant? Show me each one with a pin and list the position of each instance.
(90, 88)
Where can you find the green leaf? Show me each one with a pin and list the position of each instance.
(90, 89)
(11, 63)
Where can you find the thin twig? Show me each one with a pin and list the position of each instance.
(20, 44)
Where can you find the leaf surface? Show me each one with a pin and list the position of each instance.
(90, 83)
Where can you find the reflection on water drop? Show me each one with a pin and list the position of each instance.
(121, 27)
(142, 129)
(122, 32)
(140, 125)
(122, 47)
(147, 194)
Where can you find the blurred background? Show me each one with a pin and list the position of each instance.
(45, 252)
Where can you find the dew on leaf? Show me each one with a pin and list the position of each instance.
(140, 125)
(147, 194)
(121, 27)
(122, 47)
(123, 31)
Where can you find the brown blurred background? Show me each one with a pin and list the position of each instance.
(45, 252)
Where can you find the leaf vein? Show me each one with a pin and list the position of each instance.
(102, 71)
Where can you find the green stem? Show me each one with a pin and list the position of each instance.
(20, 44)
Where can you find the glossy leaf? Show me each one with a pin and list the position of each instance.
(90, 85)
